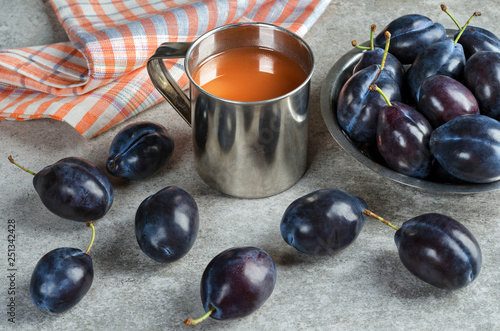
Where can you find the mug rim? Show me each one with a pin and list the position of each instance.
(235, 25)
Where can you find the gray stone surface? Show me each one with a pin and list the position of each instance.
(364, 287)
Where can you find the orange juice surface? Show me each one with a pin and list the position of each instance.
(249, 74)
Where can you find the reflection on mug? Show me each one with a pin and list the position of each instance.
(269, 132)
(226, 131)
(200, 127)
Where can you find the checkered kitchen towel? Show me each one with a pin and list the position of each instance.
(99, 78)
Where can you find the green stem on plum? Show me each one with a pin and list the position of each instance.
(374, 87)
(372, 32)
(193, 322)
(381, 219)
(465, 26)
(11, 159)
(460, 28)
(445, 9)
(354, 43)
(387, 35)
(91, 225)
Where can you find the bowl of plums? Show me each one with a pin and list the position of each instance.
(420, 104)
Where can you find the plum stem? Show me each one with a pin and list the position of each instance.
(445, 9)
(381, 219)
(465, 26)
(387, 35)
(91, 225)
(193, 322)
(374, 87)
(460, 28)
(372, 32)
(354, 43)
(11, 159)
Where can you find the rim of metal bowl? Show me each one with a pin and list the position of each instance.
(335, 79)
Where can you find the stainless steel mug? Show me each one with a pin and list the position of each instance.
(243, 149)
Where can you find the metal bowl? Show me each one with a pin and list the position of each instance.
(337, 76)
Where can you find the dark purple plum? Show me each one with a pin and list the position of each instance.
(323, 222)
(439, 250)
(443, 57)
(482, 77)
(475, 39)
(468, 147)
(411, 34)
(166, 224)
(357, 105)
(139, 150)
(73, 188)
(61, 278)
(403, 136)
(236, 283)
(442, 98)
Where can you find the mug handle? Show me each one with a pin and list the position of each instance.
(164, 82)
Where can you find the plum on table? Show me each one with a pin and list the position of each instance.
(437, 249)
(166, 224)
(323, 222)
(73, 188)
(61, 278)
(139, 150)
(235, 283)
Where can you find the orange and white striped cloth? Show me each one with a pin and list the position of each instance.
(99, 77)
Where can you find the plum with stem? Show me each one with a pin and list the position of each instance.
(375, 55)
(62, 277)
(403, 136)
(437, 249)
(73, 188)
(357, 106)
(236, 283)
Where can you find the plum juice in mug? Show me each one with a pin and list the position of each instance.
(249, 74)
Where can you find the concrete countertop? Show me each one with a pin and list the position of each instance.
(364, 287)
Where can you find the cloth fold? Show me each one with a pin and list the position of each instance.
(99, 78)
